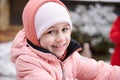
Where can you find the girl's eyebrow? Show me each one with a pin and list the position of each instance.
(50, 27)
(66, 25)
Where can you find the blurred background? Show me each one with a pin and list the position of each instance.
(92, 21)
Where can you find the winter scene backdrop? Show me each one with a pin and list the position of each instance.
(93, 20)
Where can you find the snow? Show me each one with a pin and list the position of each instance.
(7, 68)
(94, 19)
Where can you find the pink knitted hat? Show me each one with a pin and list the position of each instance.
(39, 15)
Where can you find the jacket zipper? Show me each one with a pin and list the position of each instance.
(63, 71)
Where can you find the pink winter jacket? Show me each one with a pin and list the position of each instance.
(32, 64)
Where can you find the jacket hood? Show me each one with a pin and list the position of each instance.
(28, 18)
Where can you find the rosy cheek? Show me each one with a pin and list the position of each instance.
(45, 45)
(47, 42)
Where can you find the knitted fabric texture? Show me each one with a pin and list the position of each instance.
(48, 15)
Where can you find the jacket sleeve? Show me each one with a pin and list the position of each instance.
(115, 31)
(29, 69)
(89, 69)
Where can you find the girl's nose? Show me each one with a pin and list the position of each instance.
(60, 37)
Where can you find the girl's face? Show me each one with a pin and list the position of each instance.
(56, 39)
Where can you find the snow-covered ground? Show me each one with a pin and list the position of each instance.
(7, 68)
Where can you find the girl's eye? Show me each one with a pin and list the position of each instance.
(51, 32)
(65, 29)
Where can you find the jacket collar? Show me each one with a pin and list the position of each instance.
(73, 46)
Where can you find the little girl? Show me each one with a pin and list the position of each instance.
(44, 49)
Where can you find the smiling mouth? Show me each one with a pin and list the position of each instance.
(59, 46)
